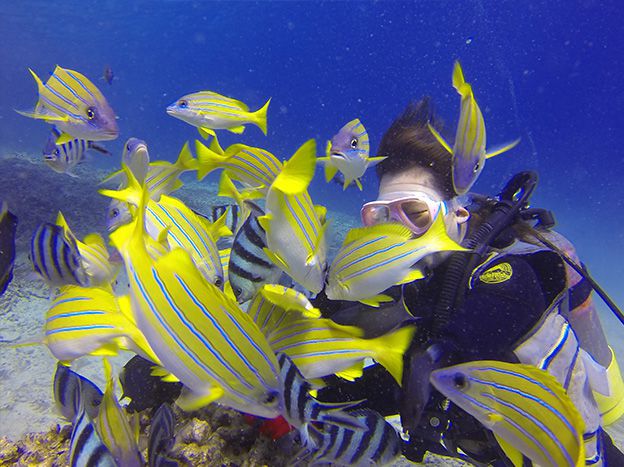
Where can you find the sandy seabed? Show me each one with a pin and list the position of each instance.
(27, 413)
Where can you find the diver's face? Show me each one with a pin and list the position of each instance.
(420, 181)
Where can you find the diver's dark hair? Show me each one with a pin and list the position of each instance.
(409, 143)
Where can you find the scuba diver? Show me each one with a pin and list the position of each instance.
(519, 295)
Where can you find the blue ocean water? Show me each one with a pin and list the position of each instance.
(547, 72)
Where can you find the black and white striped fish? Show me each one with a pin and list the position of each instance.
(62, 158)
(162, 438)
(86, 448)
(249, 267)
(299, 407)
(67, 385)
(377, 443)
(233, 221)
(55, 257)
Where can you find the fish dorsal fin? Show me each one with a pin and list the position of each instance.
(298, 171)
(459, 83)
(439, 138)
(391, 228)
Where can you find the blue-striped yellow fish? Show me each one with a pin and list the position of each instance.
(62, 158)
(372, 259)
(254, 167)
(468, 151)
(272, 304)
(295, 234)
(112, 424)
(89, 321)
(376, 444)
(67, 384)
(75, 106)
(93, 255)
(86, 448)
(198, 333)
(162, 178)
(250, 267)
(187, 230)
(524, 406)
(55, 257)
(348, 153)
(209, 111)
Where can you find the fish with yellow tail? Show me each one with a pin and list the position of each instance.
(348, 152)
(198, 333)
(209, 111)
(115, 430)
(468, 150)
(295, 234)
(90, 321)
(254, 167)
(75, 106)
(527, 409)
(318, 346)
(372, 259)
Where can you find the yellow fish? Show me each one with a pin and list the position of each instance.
(469, 148)
(75, 106)
(372, 259)
(295, 234)
(525, 407)
(198, 333)
(209, 111)
(112, 424)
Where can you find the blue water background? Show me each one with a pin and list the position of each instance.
(549, 72)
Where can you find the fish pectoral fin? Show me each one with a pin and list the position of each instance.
(376, 300)
(190, 401)
(439, 137)
(413, 275)
(330, 171)
(501, 149)
(375, 160)
(64, 138)
(237, 129)
(277, 260)
(359, 184)
(205, 132)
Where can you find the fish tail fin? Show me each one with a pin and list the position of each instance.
(261, 117)
(390, 349)
(459, 83)
(501, 149)
(439, 138)
(438, 239)
(186, 161)
(207, 159)
(298, 171)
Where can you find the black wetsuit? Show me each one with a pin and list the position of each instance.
(502, 303)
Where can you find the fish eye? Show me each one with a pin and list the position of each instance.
(114, 212)
(183, 104)
(476, 168)
(354, 143)
(218, 282)
(238, 291)
(459, 380)
(90, 113)
(57, 152)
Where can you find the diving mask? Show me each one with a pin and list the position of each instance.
(416, 210)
